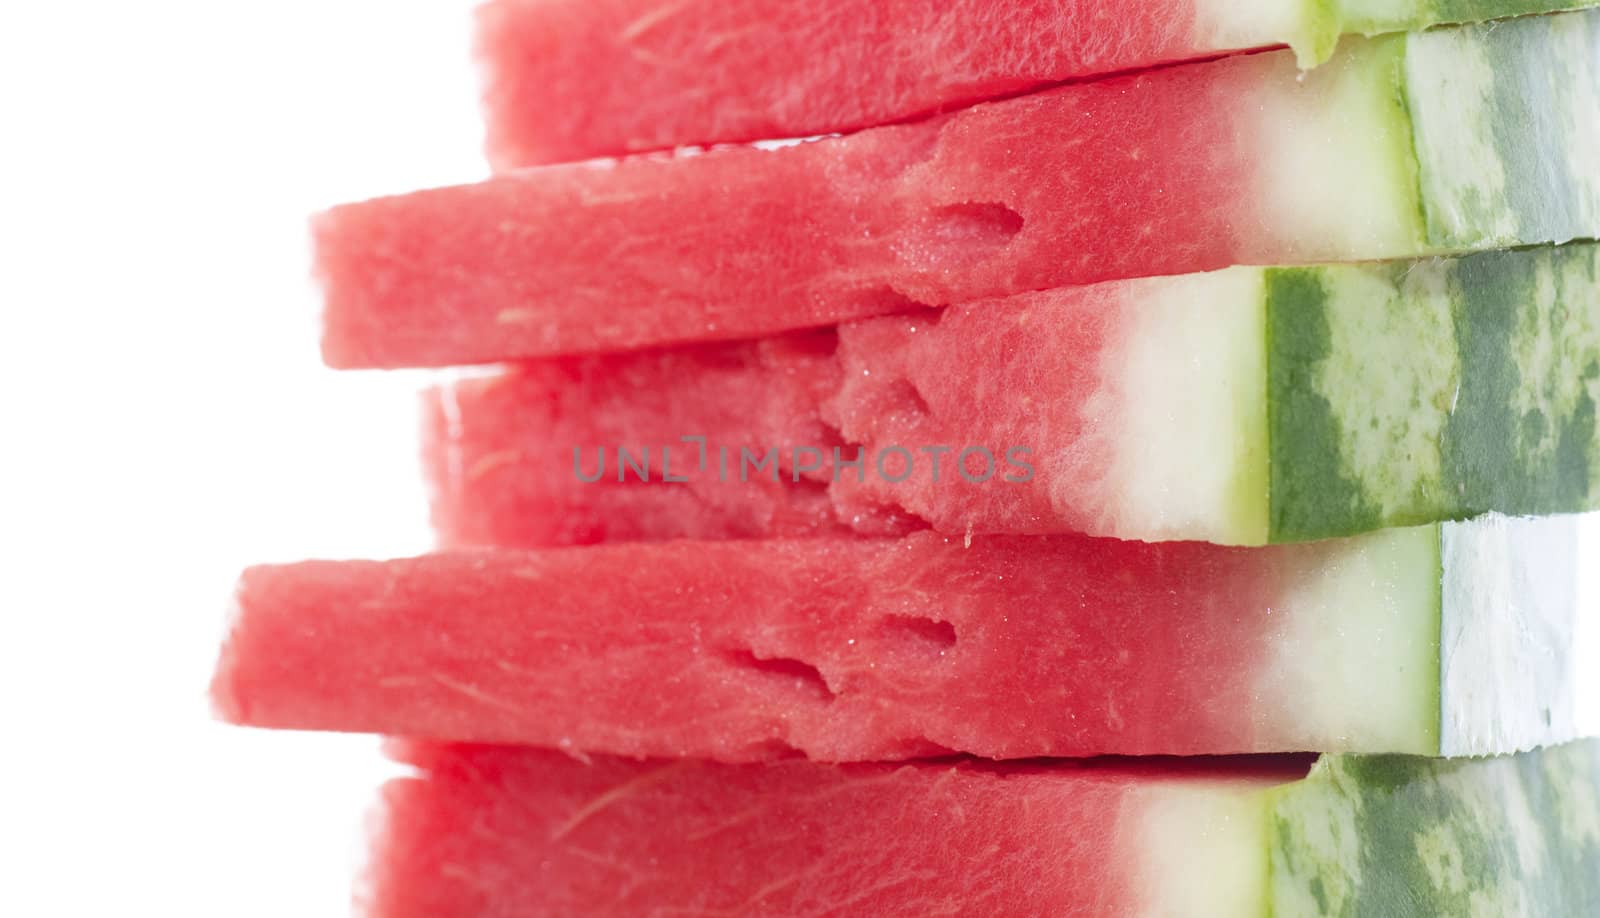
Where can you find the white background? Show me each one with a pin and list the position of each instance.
(164, 420)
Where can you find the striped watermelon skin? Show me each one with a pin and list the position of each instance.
(573, 79)
(1380, 154)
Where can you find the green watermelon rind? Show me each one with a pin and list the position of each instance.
(1474, 388)
(1432, 390)
(1505, 118)
(1453, 399)
(1325, 21)
(1395, 836)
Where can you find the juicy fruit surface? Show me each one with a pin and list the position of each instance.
(740, 242)
(1136, 406)
(491, 831)
(1245, 406)
(1078, 380)
(487, 831)
(856, 650)
(724, 72)
(1193, 168)
(563, 77)
(532, 458)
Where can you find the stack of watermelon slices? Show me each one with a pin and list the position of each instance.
(1121, 469)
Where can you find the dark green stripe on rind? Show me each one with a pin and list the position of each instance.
(1395, 836)
(1505, 121)
(1309, 489)
(1434, 390)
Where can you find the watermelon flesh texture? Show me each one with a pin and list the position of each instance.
(499, 450)
(489, 831)
(1245, 406)
(563, 78)
(864, 650)
(1399, 147)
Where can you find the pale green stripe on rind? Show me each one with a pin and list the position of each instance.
(1505, 118)
(1391, 837)
(1405, 393)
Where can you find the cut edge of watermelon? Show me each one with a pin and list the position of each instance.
(1516, 633)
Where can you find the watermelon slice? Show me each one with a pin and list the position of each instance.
(1457, 139)
(1450, 640)
(1245, 406)
(573, 79)
(497, 831)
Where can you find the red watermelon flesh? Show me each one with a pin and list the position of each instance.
(739, 243)
(504, 454)
(565, 78)
(489, 831)
(1023, 373)
(856, 649)
(1239, 161)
